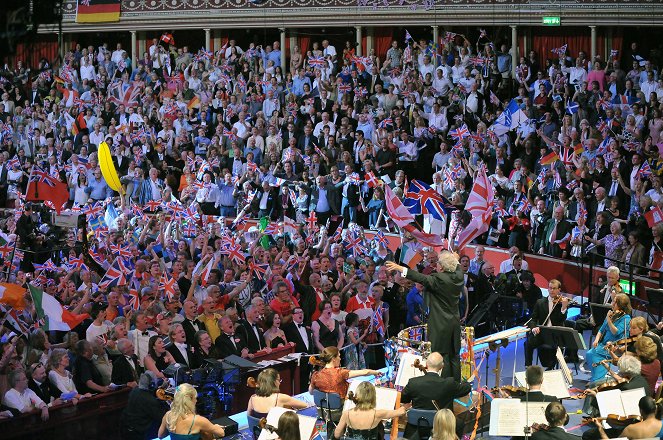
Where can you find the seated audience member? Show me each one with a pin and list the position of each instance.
(143, 413)
(556, 417)
(331, 378)
(444, 425)
(102, 361)
(86, 376)
(229, 342)
(182, 422)
(42, 386)
(364, 421)
(203, 348)
(158, 358)
(267, 395)
(125, 367)
(274, 335)
(178, 348)
(140, 336)
(431, 391)
(60, 377)
(22, 398)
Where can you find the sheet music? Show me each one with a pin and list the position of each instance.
(306, 424)
(534, 413)
(564, 367)
(385, 397)
(553, 383)
(622, 403)
(406, 371)
(505, 418)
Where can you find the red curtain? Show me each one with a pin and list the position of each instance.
(363, 45)
(576, 39)
(383, 39)
(32, 53)
(304, 44)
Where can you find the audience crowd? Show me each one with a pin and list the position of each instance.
(572, 149)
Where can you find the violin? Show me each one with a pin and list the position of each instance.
(571, 303)
(510, 391)
(264, 425)
(607, 385)
(540, 427)
(418, 365)
(614, 419)
(163, 394)
(251, 382)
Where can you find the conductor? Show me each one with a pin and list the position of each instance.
(441, 294)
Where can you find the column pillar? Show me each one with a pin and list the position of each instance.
(133, 49)
(436, 40)
(593, 29)
(370, 39)
(216, 39)
(208, 39)
(359, 51)
(514, 49)
(283, 54)
(142, 43)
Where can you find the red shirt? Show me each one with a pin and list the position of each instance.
(283, 308)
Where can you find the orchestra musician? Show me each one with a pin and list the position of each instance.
(650, 426)
(534, 378)
(441, 295)
(547, 312)
(614, 328)
(431, 391)
(556, 417)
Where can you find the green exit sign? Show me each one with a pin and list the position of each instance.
(551, 21)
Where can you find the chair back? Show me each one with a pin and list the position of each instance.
(423, 420)
(254, 426)
(324, 400)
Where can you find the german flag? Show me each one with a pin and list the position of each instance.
(194, 103)
(549, 159)
(98, 11)
(79, 124)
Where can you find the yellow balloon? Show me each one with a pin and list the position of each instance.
(108, 168)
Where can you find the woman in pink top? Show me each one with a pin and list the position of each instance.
(598, 75)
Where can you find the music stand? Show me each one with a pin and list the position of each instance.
(599, 312)
(655, 298)
(564, 337)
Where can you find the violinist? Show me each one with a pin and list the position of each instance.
(614, 328)
(650, 426)
(547, 312)
(650, 353)
(431, 391)
(534, 378)
(556, 417)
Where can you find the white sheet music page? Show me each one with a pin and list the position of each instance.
(506, 418)
(385, 397)
(406, 371)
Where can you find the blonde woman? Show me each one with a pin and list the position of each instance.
(364, 421)
(444, 425)
(182, 423)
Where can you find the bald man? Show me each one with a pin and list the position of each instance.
(423, 390)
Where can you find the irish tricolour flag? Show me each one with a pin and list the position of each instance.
(57, 317)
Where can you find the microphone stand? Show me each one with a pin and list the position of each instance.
(527, 430)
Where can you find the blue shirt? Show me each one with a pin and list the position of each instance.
(257, 154)
(274, 55)
(225, 197)
(415, 307)
(98, 189)
(298, 85)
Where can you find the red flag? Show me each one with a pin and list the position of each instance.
(479, 204)
(55, 191)
(405, 220)
(654, 217)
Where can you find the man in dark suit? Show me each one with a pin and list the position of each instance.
(323, 104)
(373, 79)
(302, 336)
(431, 391)
(40, 384)
(307, 139)
(615, 188)
(191, 323)
(251, 330)
(556, 417)
(547, 312)
(324, 200)
(442, 293)
(181, 352)
(534, 378)
(125, 367)
(230, 342)
(556, 235)
(143, 413)
(267, 202)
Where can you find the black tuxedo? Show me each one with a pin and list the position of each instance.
(46, 391)
(472, 292)
(423, 390)
(556, 433)
(292, 335)
(253, 342)
(123, 372)
(562, 228)
(538, 318)
(302, 141)
(323, 106)
(372, 81)
(273, 210)
(538, 396)
(226, 347)
(177, 355)
(190, 329)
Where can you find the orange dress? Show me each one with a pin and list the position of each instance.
(332, 380)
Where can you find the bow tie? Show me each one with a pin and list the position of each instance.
(301, 326)
(145, 333)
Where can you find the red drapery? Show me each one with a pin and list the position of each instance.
(383, 39)
(576, 39)
(304, 44)
(31, 54)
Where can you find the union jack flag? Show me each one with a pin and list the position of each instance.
(251, 166)
(644, 171)
(386, 122)
(42, 177)
(14, 162)
(235, 253)
(134, 299)
(259, 270)
(338, 234)
(344, 88)
(524, 205)
(229, 134)
(461, 132)
(416, 333)
(360, 91)
(354, 178)
(355, 243)
(560, 51)
(382, 239)
(378, 321)
(271, 229)
(317, 62)
(47, 266)
(115, 275)
(582, 212)
(128, 96)
(167, 285)
(96, 256)
(119, 250)
(422, 199)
